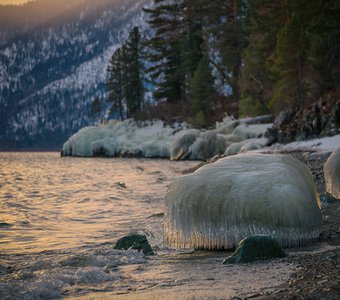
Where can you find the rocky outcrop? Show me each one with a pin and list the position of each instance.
(320, 119)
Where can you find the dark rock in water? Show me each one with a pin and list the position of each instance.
(4, 224)
(134, 241)
(121, 185)
(256, 247)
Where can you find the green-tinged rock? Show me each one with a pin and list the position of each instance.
(134, 241)
(326, 198)
(256, 247)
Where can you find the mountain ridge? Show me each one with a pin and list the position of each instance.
(50, 74)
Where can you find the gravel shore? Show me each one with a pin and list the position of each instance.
(318, 275)
(318, 265)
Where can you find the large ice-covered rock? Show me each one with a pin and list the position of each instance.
(242, 195)
(332, 174)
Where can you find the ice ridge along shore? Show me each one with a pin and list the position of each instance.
(155, 139)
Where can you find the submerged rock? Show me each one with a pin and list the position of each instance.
(222, 203)
(256, 247)
(137, 242)
(332, 174)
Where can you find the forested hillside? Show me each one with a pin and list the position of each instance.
(245, 58)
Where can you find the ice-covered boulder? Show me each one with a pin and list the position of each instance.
(226, 126)
(179, 148)
(207, 145)
(251, 131)
(332, 174)
(248, 194)
(81, 143)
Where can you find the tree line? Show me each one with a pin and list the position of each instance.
(205, 58)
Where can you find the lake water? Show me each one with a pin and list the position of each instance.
(59, 219)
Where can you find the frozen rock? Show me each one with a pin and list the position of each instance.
(254, 144)
(179, 148)
(207, 145)
(256, 247)
(235, 148)
(251, 131)
(226, 126)
(249, 194)
(332, 174)
(150, 139)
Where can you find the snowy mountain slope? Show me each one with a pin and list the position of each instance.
(50, 72)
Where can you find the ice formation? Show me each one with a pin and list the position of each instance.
(332, 174)
(242, 195)
(154, 139)
(235, 135)
(151, 139)
(179, 148)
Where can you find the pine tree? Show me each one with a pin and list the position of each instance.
(164, 51)
(203, 93)
(124, 84)
(115, 82)
(134, 89)
(264, 21)
(96, 108)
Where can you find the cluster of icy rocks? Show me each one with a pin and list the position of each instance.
(155, 139)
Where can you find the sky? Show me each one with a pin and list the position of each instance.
(12, 1)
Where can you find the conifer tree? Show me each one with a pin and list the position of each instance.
(203, 93)
(96, 108)
(165, 50)
(124, 84)
(115, 82)
(134, 90)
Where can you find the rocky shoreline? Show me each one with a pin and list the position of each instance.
(318, 265)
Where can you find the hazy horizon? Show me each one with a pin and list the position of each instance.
(14, 2)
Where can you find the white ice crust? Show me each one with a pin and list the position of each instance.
(151, 139)
(242, 195)
(155, 139)
(332, 174)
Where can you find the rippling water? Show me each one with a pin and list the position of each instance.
(59, 219)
